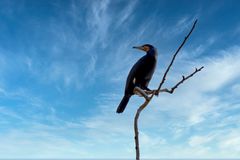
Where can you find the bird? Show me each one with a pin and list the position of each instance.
(140, 74)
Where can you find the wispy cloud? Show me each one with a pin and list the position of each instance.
(37, 140)
(231, 140)
(181, 25)
(199, 140)
(68, 72)
(6, 112)
(126, 13)
(98, 22)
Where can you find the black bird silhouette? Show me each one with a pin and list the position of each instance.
(140, 74)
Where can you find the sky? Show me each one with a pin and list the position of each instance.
(63, 67)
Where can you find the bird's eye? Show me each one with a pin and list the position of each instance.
(146, 48)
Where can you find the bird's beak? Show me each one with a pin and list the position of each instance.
(139, 47)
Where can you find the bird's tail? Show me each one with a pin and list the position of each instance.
(123, 104)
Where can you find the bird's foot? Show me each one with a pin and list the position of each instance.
(138, 91)
(155, 92)
(138, 94)
(149, 91)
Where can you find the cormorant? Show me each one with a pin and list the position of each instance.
(140, 74)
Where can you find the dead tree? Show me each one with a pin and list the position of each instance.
(149, 95)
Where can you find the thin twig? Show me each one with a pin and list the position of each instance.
(180, 82)
(174, 56)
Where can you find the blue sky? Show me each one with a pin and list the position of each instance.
(63, 66)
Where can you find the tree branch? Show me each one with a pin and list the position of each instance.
(174, 56)
(180, 82)
(145, 94)
(147, 100)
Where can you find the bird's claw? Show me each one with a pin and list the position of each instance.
(138, 94)
(155, 92)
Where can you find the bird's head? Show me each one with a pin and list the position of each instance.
(145, 47)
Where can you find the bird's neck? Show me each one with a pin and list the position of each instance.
(152, 52)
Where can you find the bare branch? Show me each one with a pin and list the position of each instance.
(180, 82)
(136, 125)
(145, 94)
(174, 56)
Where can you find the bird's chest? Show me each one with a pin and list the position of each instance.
(147, 65)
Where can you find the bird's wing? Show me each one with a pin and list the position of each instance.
(131, 79)
(144, 70)
(136, 69)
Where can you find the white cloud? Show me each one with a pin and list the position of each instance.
(230, 141)
(199, 49)
(196, 141)
(98, 22)
(178, 28)
(68, 72)
(91, 67)
(148, 141)
(126, 13)
(39, 144)
(2, 91)
(236, 89)
(220, 71)
(10, 114)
